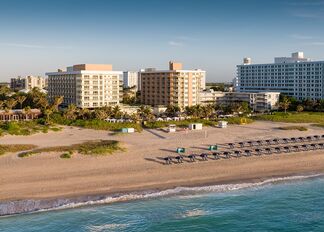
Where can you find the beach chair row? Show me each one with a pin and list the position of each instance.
(275, 141)
(247, 152)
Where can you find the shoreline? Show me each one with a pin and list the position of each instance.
(27, 206)
(45, 180)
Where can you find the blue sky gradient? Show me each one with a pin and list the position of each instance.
(39, 36)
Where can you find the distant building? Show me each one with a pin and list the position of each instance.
(86, 85)
(293, 76)
(35, 82)
(17, 83)
(27, 83)
(130, 79)
(175, 86)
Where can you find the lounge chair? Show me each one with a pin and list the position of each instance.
(216, 155)
(192, 157)
(203, 156)
(309, 138)
(301, 139)
(276, 141)
(305, 147)
(285, 140)
(296, 148)
(321, 145)
(227, 154)
(316, 137)
(231, 145)
(277, 149)
(258, 151)
(294, 140)
(247, 152)
(168, 160)
(250, 143)
(268, 141)
(287, 149)
(237, 153)
(268, 150)
(179, 158)
(313, 146)
(259, 142)
(241, 144)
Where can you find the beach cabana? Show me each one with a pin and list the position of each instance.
(222, 124)
(172, 128)
(128, 130)
(195, 126)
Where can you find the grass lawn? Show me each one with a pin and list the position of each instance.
(99, 147)
(15, 148)
(293, 117)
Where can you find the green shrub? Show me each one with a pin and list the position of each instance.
(5, 148)
(99, 147)
(293, 117)
(66, 156)
(300, 128)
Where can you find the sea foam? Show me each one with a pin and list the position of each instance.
(27, 206)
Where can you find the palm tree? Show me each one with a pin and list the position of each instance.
(70, 112)
(42, 102)
(173, 110)
(20, 99)
(144, 112)
(84, 113)
(57, 101)
(100, 114)
(47, 112)
(10, 103)
(4, 91)
(2, 103)
(285, 103)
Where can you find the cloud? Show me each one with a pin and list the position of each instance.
(307, 15)
(306, 3)
(175, 43)
(317, 43)
(301, 37)
(21, 45)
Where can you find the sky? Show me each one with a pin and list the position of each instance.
(38, 36)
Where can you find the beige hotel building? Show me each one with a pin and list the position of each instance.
(86, 85)
(172, 87)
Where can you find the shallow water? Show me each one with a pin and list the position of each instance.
(296, 205)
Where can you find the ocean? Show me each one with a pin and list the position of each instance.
(284, 204)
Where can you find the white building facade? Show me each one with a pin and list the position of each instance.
(293, 76)
(86, 85)
(130, 79)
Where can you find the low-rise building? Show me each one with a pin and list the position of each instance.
(86, 85)
(209, 96)
(262, 101)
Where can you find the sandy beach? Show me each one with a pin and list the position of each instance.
(47, 176)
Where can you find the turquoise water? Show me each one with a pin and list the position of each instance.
(286, 206)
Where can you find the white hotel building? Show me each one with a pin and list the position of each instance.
(86, 85)
(293, 76)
